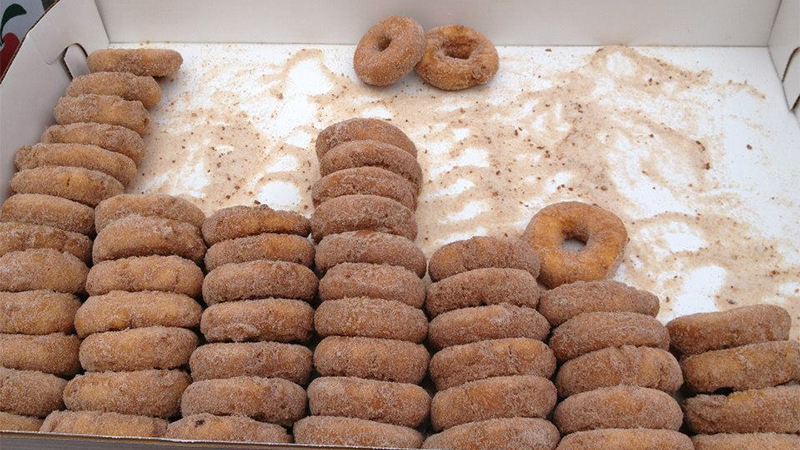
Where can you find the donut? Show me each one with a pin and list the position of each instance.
(16, 422)
(592, 331)
(370, 358)
(270, 400)
(89, 157)
(37, 312)
(372, 153)
(372, 280)
(50, 211)
(18, 236)
(498, 434)
(148, 62)
(493, 398)
(268, 246)
(121, 84)
(108, 109)
(110, 137)
(702, 332)
(568, 300)
(147, 205)
(626, 440)
(389, 50)
(240, 221)
(30, 393)
(259, 279)
(461, 364)
(145, 392)
(89, 187)
(363, 212)
(457, 57)
(626, 365)
(103, 424)
(146, 273)
(137, 349)
(732, 441)
(482, 252)
(208, 427)
(359, 129)
(253, 359)
(148, 236)
(382, 401)
(372, 318)
(326, 430)
(42, 268)
(55, 353)
(120, 310)
(767, 410)
(603, 233)
(464, 326)
(273, 319)
(365, 181)
(369, 247)
(478, 287)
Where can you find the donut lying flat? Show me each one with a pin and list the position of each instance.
(326, 430)
(457, 57)
(500, 434)
(153, 62)
(208, 427)
(103, 424)
(626, 440)
(389, 50)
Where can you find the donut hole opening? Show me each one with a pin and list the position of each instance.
(573, 244)
(383, 43)
(459, 48)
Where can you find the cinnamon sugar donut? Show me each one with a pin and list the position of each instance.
(89, 157)
(17, 422)
(42, 268)
(372, 153)
(37, 312)
(259, 279)
(463, 326)
(108, 109)
(138, 349)
(147, 205)
(371, 317)
(18, 236)
(30, 393)
(126, 85)
(374, 281)
(268, 246)
(148, 236)
(389, 50)
(103, 424)
(365, 181)
(208, 427)
(48, 210)
(457, 57)
(498, 434)
(369, 247)
(568, 300)
(110, 137)
(619, 439)
(370, 358)
(482, 252)
(746, 441)
(153, 62)
(55, 353)
(479, 287)
(363, 212)
(146, 273)
(768, 410)
(89, 187)
(252, 359)
(272, 319)
(240, 221)
(327, 430)
(362, 129)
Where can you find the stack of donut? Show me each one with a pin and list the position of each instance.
(744, 350)
(247, 379)
(371, 358)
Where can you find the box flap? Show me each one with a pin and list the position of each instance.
(785, 37)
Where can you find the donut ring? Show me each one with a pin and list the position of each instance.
(89, 187)
(55, 353)
(152, 62)
(37, 312)
(374, 281)
(482, 252)
(89, 157)
(479, 287)
(370, 358)
(369, 247)
(42, 268)
(493, 398)
(259, 279)
(603, 232)
(240, 221)
(457, 57)
(110, 137)
(499, 434)
(626, 365)
(122, 84)
(768, 441)
(464, 326)
(273, 319)
(30, 393)
(108, 109)
(208, 427)
(372, 318)
(146, 273)
(372, 153)
(252, 359)
(568, 300)
(103, 424)
(626, 440)
(364, 181)
(147, 205)
(148, 236)
(268, 246)
(359, 129)
(389, 50)
(270, 400)
(363, 212)
(137, 349)
(326, 430)
(16, 422)
(768, 410)
(382, 401)
(47, 210)
(18, 236)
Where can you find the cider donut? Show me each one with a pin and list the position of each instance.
(369, 247)
(363, 212)
(103, 424)
(457, 57)
(89, 157)
(30, 393)
(370, 358)
(208, 427)
(42, 269)
(374, 281)
(121, 84)
(478, 287)
(55, 353)
(110, 137)
(16, 422)
(568, 300)
(268, 246)
(89, 187)
(148, 236)
(364, 181)
(108, 109)
(359, 129)
(50, 211)
(326, 430)
(372, 318)
(138, 349)
(37, 312)
(768, 410)
(240, 221)
(146, 273)
(151, 62)
(389, 50)
(626, 440)
(734, 441)
(272, 319)
(482, 252)
(147, 205)
(372, 153)
(498, 434)
(252, 359)
(464, 326)
(18, 236)
(259, 279)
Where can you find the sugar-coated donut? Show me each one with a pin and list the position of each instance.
(42, 268)
(457, 57)
(369, 247)
(370, 358)
(103, 424)
(364, 181)
(208, 427)
(37, 312)
(146, 273)
(371, 317)
(55, 353)
(374, 281)
(30, 393)
(108, 109)
(240, 221)
(267, 246)
(326, 430)
(489, 286)
(89, 187)
(17, 422)
(619, 439)
(498, 434)
(272, 319)
(48, 210)
(389, 50)
(372, 153)
(259, 279)
(153, 62)
(89, 157)
(768, 410)
(568, 300)
(18, 236)
(126, 85)
(138, 349)
(362, 129)
(463, 326)
(746, 441)
(363, 212)
(110, 137)
(481, 252)
(256, 359)
(147, 205)
(147, 236)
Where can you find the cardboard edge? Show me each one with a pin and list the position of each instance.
(784, 39)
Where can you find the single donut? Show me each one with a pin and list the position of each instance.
(592, 331)
(372, 318)
(89, 157)
(258, 279)
(603, 233)
(365, 181)
(272, 319)
(121, 84)
(374, 281)
(482, 252)
(362, 129)
(626, 365)
(103, 424)
(147, 205)
(16, 422)
(457, 57)
(389, 50)
(208, 427)
(151, 62)
(568, 300)
(325, 430)
(498, 434)
(110, 137)
(240, 221)
(270, 400)
(363, 212)
(120, 310)
(55, 353)
(768, 410)
(464, 326)
(372, 153)
(146, 273)
(370, 358)
(18, 236)
(493, 398)
(138, 349)
(145, 392)
(382, 401)
(461, 364)
(108, 109)
(47, 210)
(732, 441)
(30, 393)
(478, 287)
(268, 246)
(42, 268)
(89, 187)
(147, 236)
(37, 312)
(626, 440)
(702, 332)
(369, 247)
(253, 359)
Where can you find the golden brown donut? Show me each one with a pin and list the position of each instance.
(372, 153)
(37, 312)
(363, 212)
(698, 333)
(147, 236)
(240, 221)
(401, 404)
(498, 434)
(103, 424)
(374, 281)
(370, 358)
(481, 323)
(42, 268)
(268, 246)
(89, 187)
(326, 430)
(389, 50)
(152, 62)
(603, 233)
(461, 364)
(272, 319)
(108, 109)
(30, 393)
(626, 440)
(120, 84)
(55, 353)
(259, 279)
(257, 359)
(137, 349)
(746, 441)
(48, 210)
(365, 181)
(146, 273)
(457, 57)
(362, 129)
(110, 137)
(372, 318)
(18, 236)
(568, 300)
(147, 205)
(89, 157)
(482, 252)
(369, 247)
(478, 287)
(16, 422)
(208, 427)
(768, 410)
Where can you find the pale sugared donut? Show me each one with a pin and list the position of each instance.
(490, 286)
(271, 319)
(370, 247)
(363, 212)
(252, 359)
(18, 236)
(153, 62)
(55, 353)
(89, 187)
(48, 210)
(768, 410)
(108, 109)
(240, 221)
(568, 300)
(372, 280)
(327, 430)
(208, 427)
(362, 129)
(122, 84)
(372, 153)
(110, 137)
(736, 441)
(365, 181)
(371, 317)
(91, 157)
(603, 233)
(482, 252)
(389, 50)
(497, 434)
(259, 279)
(267, 246)
(457, 57)
(42, 269)
(374, 359)
(17, 422)
(37, 312)
(138, 349)
(147, 236)
(463, 326)
(103, 424)
(30, 393)
(147, 205)
(619, 439)
(146, 273)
